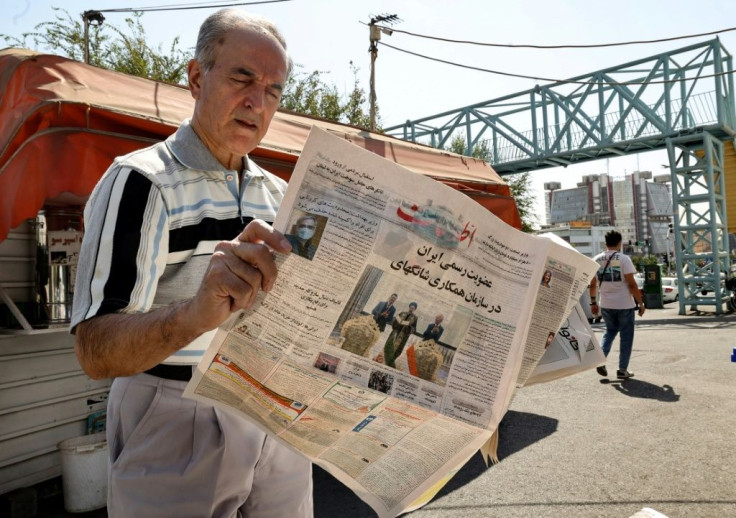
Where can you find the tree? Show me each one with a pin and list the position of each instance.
(521, 189)
(311, 94)
(519, 184)
(109, 47)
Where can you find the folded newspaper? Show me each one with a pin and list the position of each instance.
(399, 327)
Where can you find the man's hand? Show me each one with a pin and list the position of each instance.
(641, 309)
(237, 271)
(125, 344)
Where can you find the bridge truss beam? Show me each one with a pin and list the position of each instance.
(621, 110)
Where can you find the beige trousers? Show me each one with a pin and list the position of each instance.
(171, 456)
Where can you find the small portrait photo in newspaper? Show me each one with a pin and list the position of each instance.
(380, 381)
(546, 278)
(304, 233)
(550, 339)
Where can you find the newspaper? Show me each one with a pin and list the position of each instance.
(390, 412)
(574, 349)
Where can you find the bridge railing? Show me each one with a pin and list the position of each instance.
(701, 111)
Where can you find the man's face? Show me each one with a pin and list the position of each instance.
(411, 309)
(305, 228)
(392, 299)
(237, 98)
(438, 319)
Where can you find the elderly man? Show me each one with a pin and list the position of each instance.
(174, 244)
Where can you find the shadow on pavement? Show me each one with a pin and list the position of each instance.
(517, 431)
(643, 389)
(332, 498)
(521, 429)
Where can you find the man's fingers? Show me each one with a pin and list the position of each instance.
(258, 231)
(256, 255)
(245, 280)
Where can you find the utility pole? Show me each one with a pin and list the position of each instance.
(375, 36)
(87, 17)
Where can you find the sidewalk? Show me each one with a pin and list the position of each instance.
(671, 314)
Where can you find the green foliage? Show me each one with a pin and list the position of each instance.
(313, 95)
(131, 55)
(109, 47)
(457, 145)
(641, 260)
(519, 184)
(65, 36)
(480, 150)
(521, 189)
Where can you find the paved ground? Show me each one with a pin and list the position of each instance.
(580, 447)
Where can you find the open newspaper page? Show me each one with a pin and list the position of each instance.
(391, 343)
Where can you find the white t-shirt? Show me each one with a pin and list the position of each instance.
(612, 283)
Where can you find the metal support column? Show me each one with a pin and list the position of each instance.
(700, 228)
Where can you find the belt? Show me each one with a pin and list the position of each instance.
(171, 372)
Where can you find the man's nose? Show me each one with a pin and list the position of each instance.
(255, 98)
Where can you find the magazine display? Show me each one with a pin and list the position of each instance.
(397, 331)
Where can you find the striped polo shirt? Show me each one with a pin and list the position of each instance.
(152, 223)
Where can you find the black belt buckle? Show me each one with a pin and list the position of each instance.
(171, 372)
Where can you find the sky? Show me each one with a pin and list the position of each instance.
(328, 35)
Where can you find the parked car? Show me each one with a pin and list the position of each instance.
(639, 278)
(706, 289)
(670, 292)
(669, 288)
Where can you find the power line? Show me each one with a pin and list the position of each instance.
(597, 45)
(567, 81)
(184, 7)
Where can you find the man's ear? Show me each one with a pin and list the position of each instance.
(194, 74)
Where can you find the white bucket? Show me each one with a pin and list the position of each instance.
(84, 472)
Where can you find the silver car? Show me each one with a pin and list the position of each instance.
(669, 289)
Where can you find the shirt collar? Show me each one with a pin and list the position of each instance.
(189, 149)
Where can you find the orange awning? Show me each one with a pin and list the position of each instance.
(62, 123)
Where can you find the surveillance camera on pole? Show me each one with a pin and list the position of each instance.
(375, 37)
(89, 17)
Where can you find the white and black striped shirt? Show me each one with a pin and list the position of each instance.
(152, 222)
